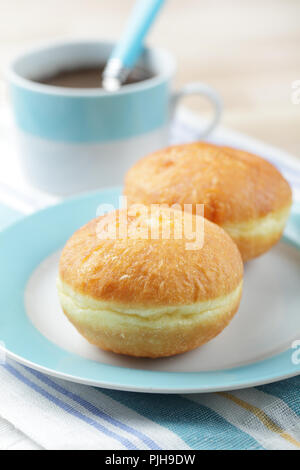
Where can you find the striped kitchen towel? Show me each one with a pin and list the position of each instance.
(49, 413)
(42, 412)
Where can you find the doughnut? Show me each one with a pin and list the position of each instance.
(137, 282)
(241, 192)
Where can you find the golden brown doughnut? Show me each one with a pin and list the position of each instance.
(243, 193)
(149, 297)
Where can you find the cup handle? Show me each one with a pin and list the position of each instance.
(199, 88)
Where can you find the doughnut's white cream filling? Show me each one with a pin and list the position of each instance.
(78, 305)
(264, 227)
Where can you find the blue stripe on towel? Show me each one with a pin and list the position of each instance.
(287, 390)
(69, 409)
(93, 409)
(199, 426)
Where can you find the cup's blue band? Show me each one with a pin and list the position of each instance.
(90, 117)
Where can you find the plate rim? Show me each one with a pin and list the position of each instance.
(163, 390)
(217, 380)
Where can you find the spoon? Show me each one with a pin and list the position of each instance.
(128, 49)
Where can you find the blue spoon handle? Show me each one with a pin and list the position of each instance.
(131, 43)
(127, 51)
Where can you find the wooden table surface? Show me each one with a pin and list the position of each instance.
(249, 50)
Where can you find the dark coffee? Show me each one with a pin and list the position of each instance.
(89, 77)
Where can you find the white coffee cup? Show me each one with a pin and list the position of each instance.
(74, 139)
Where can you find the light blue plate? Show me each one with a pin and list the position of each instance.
(27, 242)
